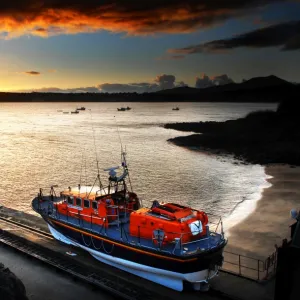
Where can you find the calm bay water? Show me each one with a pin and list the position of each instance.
(41, 146)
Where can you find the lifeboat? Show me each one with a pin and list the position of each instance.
(168, 243)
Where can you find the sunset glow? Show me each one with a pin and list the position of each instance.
(87, 45)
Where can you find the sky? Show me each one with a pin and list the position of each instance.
(144, 46)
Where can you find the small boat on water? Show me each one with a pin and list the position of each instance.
(176, 108)
(168, 243)
(124, 108)
(75, 112)
(80, 108)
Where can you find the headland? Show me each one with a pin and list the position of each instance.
(268, 138)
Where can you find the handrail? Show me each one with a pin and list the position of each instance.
(242, 265)
(176, 235)
(263, 269)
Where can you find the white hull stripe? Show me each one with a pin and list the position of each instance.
(169, 279)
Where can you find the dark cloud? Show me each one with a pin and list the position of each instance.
(284, 35)
(221, 79)
(128, 88)
(52, 17)
(47, 90)
(165, 81)
(58, 90)
(181, 84)
(91, 89)
(32, 73)
(159, 83)
(204, 81)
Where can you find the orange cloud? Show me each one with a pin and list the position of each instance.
(32, 73)
(54, 17)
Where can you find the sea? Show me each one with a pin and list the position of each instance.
(43, 144)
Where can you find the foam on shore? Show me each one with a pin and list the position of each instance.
(246, 206)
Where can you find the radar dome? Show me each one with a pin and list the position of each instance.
(294, 213)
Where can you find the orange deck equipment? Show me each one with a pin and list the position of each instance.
(173, 220)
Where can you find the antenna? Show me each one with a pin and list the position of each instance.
(119, 136)
(123, 155)
(81, 168)
(98, 170)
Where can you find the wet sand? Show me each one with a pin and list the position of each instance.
(269, 223)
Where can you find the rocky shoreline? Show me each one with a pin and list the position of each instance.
(11, 287)
(263, 137)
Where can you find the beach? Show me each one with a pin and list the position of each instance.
(269, 224)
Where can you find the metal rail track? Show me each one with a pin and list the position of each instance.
(111, 284)
(41, 232)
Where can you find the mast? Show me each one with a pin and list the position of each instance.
(96, 154)
(124, 164)
(123, 157)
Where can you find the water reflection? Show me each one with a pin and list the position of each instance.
(41, 146)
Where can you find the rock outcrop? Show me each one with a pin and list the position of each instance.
(11, 287)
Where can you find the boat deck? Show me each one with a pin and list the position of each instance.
(119, 231)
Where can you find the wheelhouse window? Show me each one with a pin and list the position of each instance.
(78, 201)
(86, 203)
(70, 200)
(94, 205)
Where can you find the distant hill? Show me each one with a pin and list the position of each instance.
(253, 83)
(258, 89)
(179, 90)
(259, 82)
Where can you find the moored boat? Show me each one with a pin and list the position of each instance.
(80, 108)
(124, 108)
(167, 243)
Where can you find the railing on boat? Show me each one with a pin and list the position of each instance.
(215, 227)
(242, 265)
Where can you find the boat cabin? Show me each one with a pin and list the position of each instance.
(99, 207)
